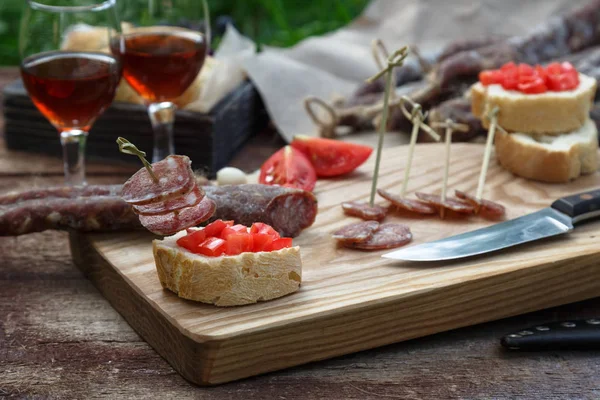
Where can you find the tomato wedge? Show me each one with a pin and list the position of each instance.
(332, 157)
(290, 168)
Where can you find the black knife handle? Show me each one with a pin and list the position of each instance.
(579, 334)
(580, 206)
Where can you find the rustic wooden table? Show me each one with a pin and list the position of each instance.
(59, 338)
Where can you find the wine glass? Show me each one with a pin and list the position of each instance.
(70, 86)
(161, 58)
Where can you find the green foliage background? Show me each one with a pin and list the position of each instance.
(272, 22)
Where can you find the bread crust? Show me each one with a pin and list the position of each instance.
(228, 280)
(551, 113)
(549, 162)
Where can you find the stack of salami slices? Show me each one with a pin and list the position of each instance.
(170, 202)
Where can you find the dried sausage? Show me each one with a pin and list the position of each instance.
(356, 233)
(387, 236)
(364, 210)
(415, 206)
(175, 179)
(191, 199)
(486, 208)
(173, 222)
(450, 203)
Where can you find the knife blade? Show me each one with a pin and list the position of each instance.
(557, 219)
(565, 335)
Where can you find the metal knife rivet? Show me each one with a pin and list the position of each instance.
(568, 324)
(514, 335)
(593, 321)
(542, 328)
(525, 333)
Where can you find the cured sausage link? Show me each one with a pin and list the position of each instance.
(65, 192)
(288, 211)
(93, 213)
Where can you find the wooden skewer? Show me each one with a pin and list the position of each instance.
(395, 60)
(417, 117)
(493, 117)
(450, 126)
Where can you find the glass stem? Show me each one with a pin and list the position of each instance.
(162, 116)
(73, 144)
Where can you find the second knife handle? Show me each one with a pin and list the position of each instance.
(581, 206)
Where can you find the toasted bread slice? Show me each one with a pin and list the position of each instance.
(549, 158)
(551, 113)
(227, 280)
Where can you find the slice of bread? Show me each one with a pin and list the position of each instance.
(227, 280)
(546, 113)
(550, 158)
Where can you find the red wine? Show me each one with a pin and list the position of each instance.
(71, 89)
(160, 66)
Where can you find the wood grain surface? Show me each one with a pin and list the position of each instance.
(61, 339)
(354, 300)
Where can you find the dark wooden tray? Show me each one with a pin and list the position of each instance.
(210, 140)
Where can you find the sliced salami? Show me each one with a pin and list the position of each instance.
(411, 205)
(451, 203)
(387, 236)
(175, 179)
(486, 208)
(191, 199)
(356, 233)
(364, 210)
(168, 224)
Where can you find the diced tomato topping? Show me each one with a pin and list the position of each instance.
(262, 242)
(212, 247)
(224, 238)
(567, 67)
(525, 70)
(508, 66)
(238, 243)
(531, 80)
(192, 240)
(534, 86)
(553, 69)
(215, 228)
(259, 227)
(491, 77)
(281, 243)
(232, 230)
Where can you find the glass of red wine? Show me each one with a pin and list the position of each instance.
(161, 58)
(71, 87)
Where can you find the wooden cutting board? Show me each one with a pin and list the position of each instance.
(352, 300)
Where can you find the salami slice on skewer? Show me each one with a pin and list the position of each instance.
(356, 233)
(387, 236)
(411, 205)
(487, 208)
(364, 210)
(171, 223)
(175, 179)
(191, 199)
(453, 204)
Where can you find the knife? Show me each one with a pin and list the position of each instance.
(557, 219)
(566, 335)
